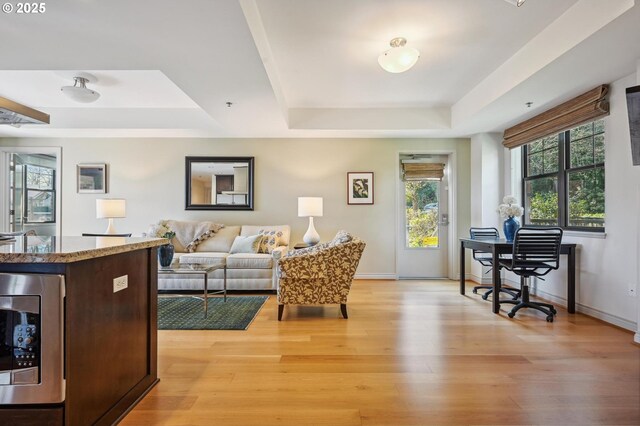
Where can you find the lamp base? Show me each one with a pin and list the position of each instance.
(311, 237)
(110, 228)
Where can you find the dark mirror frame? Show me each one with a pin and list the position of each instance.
(191, 160)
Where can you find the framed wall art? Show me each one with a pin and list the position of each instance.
(359, 188)
(92, 178)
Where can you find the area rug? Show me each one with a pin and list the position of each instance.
(187, 313)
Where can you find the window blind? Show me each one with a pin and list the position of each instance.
(422, 171)
(587, 107)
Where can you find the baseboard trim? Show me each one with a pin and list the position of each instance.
(375, 277)
(592, 312)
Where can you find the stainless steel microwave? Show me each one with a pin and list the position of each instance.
(31, 339)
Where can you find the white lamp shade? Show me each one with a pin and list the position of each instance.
(107, 208)
(309, 206)
(398, 59)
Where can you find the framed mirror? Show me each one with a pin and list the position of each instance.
(219, 183)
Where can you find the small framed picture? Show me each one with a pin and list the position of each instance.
(92, 178)
(360, 188)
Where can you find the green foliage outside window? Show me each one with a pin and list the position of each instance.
(583, 178)
(422, 213)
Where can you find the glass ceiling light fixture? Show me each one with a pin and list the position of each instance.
(400, 57)
(79, 92)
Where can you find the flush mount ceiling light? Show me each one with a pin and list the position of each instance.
(400, 57)
(79, 91)
(516, 2)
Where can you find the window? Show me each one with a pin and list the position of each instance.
(563, 179)
(40, 190)
(421, 210)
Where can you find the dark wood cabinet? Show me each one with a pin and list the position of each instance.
(110, 339)
(224, 183)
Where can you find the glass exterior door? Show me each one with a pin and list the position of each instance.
(422, 234)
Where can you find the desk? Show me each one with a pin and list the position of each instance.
(501, 246)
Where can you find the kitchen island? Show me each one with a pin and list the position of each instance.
(109, 324)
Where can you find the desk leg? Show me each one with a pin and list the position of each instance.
(571, 281)
(495, 272)
(462, 268)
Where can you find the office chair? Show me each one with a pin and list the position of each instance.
(485, 259)
(536, 252)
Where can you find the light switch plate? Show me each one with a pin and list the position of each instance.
(120, 283)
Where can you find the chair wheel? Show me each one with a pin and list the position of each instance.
(511, 315)
(475, 291)
(550, 318)
(485, 297)
(553, 311)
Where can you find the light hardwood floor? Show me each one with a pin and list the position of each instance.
(411, 353)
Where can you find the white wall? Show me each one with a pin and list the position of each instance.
(149, 174)
(637, 336)
(487, 181)
(608, 266)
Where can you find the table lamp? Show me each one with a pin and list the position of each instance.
(310, 207)
(110, 208)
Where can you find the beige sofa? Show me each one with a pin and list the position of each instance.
(245, 271)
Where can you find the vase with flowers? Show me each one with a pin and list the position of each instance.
(510, 210)
(165, 252)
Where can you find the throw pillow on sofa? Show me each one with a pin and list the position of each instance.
(270, 241)
(342, 237)
(250, 244)
(191, 234)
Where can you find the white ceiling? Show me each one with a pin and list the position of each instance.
(308, 68)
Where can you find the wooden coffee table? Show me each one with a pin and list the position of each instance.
(177, 270)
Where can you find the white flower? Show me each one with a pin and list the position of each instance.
(510, 199)
(510, 208)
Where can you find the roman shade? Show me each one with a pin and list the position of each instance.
(587, 107)
(422, 171)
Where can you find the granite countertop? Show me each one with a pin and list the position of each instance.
(70, 249)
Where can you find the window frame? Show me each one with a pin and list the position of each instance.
(562, 175)
(51, 191)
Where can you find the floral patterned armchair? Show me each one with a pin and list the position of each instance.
(321, 274)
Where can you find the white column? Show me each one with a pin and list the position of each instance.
(214, 190)
(240, 179)
(487, 184)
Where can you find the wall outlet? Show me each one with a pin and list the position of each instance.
(632, 290)
(120, 283)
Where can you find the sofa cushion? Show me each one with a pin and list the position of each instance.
(205, 258)
(249, 261)
(342, 237)
(221, 241)
(253, 230)
(249, 244)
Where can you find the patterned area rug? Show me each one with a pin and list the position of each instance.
(187, 313)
